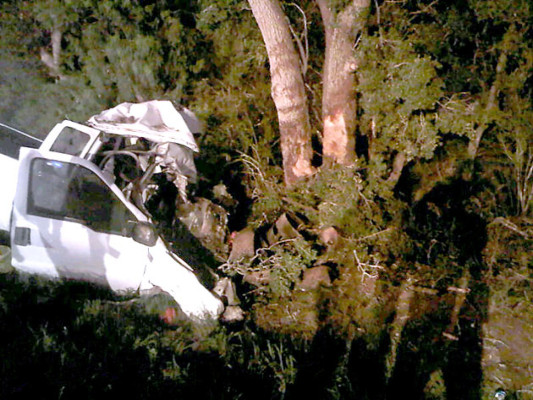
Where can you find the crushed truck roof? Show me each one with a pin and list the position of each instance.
(157, 120)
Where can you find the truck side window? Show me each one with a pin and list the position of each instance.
(70, 141)
(67, 191)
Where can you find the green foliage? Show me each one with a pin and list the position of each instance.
(277, 361)
(512, 123)
(428, 73)
(282, 262)
(435, 388)
(346, 203)
(400, 91)
(356, 311)
(342, 198)
(517, 147)
(110, 52)
(465, 69)
(264, 189)
(236, 102)
(501, 11)
(287, 264)
(146, 52)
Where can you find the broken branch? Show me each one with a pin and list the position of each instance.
(303, 49)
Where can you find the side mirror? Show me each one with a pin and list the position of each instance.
(144, 233)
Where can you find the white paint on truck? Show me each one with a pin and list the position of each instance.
(9, 171)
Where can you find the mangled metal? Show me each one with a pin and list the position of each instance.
(157, 137)
(85, 201)
(158, 121)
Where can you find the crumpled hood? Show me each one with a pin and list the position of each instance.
(156, 120)
(174, 276)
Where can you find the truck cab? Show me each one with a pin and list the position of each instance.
(70, 218)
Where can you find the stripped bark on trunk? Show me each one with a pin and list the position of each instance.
(338, 99)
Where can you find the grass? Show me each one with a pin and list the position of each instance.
(75, 340)
(439, 307)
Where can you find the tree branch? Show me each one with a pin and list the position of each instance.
(400, 320)
(327, 17)
(473, 145)
(302, 49)
(397, 167)
(56, 46)
(460, 298)
(350, 17)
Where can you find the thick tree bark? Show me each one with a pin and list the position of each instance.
(288, 90)
(339, 105)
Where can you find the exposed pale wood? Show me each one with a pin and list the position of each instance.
(338, 99)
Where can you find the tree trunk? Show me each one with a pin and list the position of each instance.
(338, 99)
(53, 61)
(288, 90)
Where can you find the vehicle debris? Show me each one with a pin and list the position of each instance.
(242, 244)
(207, 222)
(161, 139)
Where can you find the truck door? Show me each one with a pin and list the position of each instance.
(69, 221)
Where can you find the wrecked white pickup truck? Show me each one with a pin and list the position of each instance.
(76, 212)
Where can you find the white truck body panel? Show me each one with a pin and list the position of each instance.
(170, 273)
(9, 168)
(62, 246)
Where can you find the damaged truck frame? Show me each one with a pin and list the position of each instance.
(76, 209)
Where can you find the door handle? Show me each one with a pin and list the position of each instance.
(22, 236)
